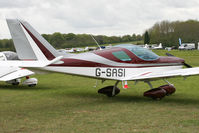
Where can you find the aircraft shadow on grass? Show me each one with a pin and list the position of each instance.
(134, 99)
(22, 88)
(186, 100)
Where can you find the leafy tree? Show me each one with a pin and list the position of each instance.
(57, 39)
(168, 32)
(126, 38)
(69, 36)
(133, 37)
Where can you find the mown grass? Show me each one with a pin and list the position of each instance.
(62, 103)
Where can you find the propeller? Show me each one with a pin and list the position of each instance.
(185, 64)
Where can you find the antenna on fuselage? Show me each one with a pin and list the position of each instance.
(96, 42)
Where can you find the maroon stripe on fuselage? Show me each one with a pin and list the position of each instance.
(45, 51)
(69, 62)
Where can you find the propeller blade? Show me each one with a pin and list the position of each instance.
(187, 65)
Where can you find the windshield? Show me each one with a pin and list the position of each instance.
(11, 55)
(140, 52)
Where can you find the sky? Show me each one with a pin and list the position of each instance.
(98, 17)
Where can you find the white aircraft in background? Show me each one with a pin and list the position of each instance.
(186, 46)
(158, 47)
(12, 69)
(120, 63)
(146, 46)
(12, 74)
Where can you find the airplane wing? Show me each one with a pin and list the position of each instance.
(10, 73)
(167, 74)
(10, 70)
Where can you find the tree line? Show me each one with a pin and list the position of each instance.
(165, 32)
(6, 45)
(70, 40)
(168, 33)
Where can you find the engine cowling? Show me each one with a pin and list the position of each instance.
(31, 82)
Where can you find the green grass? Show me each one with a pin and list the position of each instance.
(69, 104)
(113, 44)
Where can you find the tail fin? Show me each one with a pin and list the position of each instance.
(21, 43)
(180, 41)
(29, 43)
(160, 45)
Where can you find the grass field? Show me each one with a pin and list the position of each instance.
(69, 104)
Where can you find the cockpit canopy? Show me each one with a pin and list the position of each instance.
(140, 52)
(11, 55)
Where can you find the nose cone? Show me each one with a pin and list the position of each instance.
(164, 59)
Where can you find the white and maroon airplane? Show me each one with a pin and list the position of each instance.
(124, 63)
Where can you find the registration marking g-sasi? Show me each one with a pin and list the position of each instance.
(110, 72)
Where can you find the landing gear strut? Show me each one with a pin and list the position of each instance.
(114, 88)
(110, 91)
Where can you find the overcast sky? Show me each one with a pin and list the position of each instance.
(108, 17)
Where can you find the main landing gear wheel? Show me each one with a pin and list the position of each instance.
(32, 85)
(170, 89)
(160, 92)
(109, 90)
(156, 93)
(15, 83)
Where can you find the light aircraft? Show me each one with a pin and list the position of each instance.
(146, 46)
(186, 46)
(121, 63)
(157, 47)
(12, 69)
(12, 75)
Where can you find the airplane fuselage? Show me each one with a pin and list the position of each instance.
(104, 64)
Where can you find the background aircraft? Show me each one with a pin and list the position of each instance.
(12, 69)
(158, 47)
(12, 74)
(121, 63)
